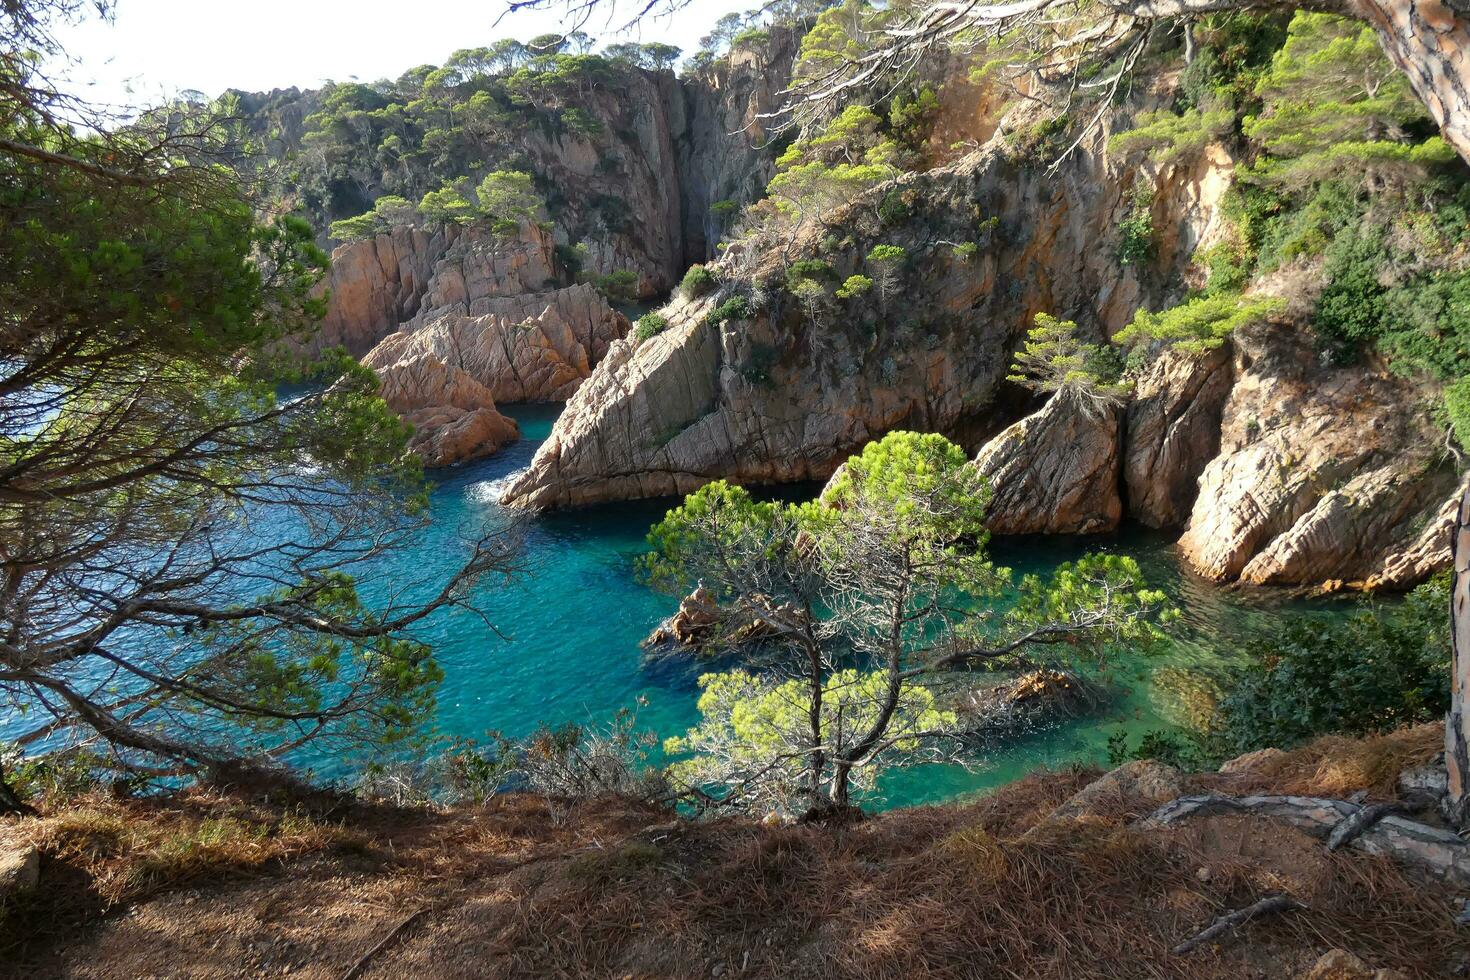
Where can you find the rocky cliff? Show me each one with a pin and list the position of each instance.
(786, 393)
(1278, 469)
(457, 319)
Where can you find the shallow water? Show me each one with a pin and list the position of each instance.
(571, 625)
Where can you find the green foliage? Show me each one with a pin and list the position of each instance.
(889, 569)
(1351, 307)
(1376, 670)
(388, 210)
(1234, 49)
(854, 286)
(748, 721)
(1166, 137)
(1334, 107)
(619, 286)
(448, 205)
(509, 196)
(1042, 142)
(1198, 325)
(1136, 230)
(724, 210)
(734, 308)
(151, 327)
(698, 281)
(648, 325)
(887, 255)
(1054, 359)
(580, 121)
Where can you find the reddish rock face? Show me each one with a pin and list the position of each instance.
(1324, 475)
(457, 320)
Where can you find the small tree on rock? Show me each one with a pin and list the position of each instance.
(1054, 361)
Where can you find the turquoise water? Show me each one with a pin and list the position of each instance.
(559, 642)
(570, 625)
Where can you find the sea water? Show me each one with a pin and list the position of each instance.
(564, 646)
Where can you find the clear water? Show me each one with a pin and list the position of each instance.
(564, 647)
(572, 622)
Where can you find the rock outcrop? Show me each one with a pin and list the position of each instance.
(785, 394)
(1055, 472)
(453, 415)
(536, 347)
(459, 319)
(1324, 474)
(1173, 431)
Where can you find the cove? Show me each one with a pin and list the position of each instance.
(569, 626)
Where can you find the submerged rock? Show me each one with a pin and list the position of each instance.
(1055, 472)
(703, 627)
(1030, 701)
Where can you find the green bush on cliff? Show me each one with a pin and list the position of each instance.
(698, 281)
(734, 308)
(1165, 137)
(1197, 326)
(649, 325)
(1136, 230)
(1381, 668)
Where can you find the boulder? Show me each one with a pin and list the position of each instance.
(454, 417)
(1055, 472)
(1325, 474)
(1140, 780)
(1251, 762)
(702, 626)
(1339, 964)
(534, 347)
(1173, 431)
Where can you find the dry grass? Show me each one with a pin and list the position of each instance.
(519, 888)
(1336, 765)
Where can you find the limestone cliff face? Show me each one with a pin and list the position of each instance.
(1323, 474)
(1055, 472)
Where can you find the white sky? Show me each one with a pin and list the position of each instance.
(156, 48)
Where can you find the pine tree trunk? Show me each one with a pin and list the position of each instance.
(1429, 40)
(1457, 725)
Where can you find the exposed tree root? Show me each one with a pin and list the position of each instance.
(1373, 829)
(356, 969)
(1269, 905)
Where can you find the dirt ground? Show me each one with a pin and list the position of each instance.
(524, 887)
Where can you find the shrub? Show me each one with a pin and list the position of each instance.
(698, 281)
(854, 287)
(1200, 325)
(734, 308)
(648, 325)
(1136, 231)
(893, 209)
(1378, 669)
(620, 286)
